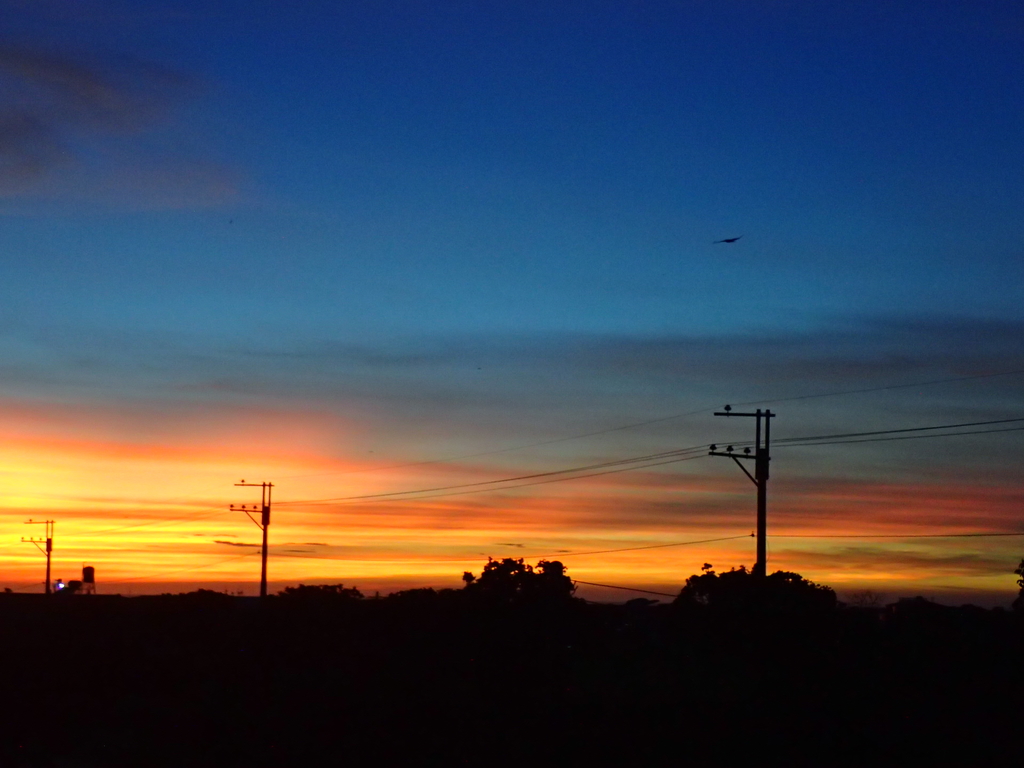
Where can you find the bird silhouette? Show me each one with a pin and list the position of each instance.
(727, 240)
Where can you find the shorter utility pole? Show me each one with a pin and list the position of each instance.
(263, 523)
(761, 459)
(43, 545)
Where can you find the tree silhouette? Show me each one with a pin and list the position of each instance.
(552, 580)
(865, 598)
(512, 580)
(321, 592)
(1018, 604)
(738, 588)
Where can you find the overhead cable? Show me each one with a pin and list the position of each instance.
(695, 451)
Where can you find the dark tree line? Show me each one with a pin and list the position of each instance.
(1018, 604)
(512, 669)
(512, 580)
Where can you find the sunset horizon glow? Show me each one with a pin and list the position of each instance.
(105, 495)
(367, 248)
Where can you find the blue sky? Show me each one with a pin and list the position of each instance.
(467, 227)
(533, 168)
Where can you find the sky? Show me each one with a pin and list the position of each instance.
(371, 248)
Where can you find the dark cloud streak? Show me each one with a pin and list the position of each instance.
(52, 100)
(74, 126)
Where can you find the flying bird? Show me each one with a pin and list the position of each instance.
(727, 240)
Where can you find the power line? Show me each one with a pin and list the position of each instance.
(566, 479)
(524, 557)
(631, 589)
(839, 438)
(650, 546)
(183, 570)
(516, 447)
(23, 587)
(895, 431)
(660, 419)
(545, 482)
(892, 535)
(885, 388)
(185, 518)
(572, 470)
(905, 437)
(683, 454)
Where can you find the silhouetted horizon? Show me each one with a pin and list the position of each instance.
(466, 280)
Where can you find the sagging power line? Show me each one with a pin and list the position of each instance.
(809, 439)
(671, 417)
(643, 462)
(182, 570)
(671, 456)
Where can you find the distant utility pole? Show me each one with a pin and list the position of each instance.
(43, 545)
(263, 523)
(761, 459)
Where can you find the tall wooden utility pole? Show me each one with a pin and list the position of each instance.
(761, 459)
(263, 523)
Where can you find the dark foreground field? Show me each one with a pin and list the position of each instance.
(442, 679)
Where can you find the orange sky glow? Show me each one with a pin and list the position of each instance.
(509, 241)
(152, 515)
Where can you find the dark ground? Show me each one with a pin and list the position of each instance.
(441, 679)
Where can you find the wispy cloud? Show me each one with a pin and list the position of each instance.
(52, 98)
(66, 125)
(865, 351)
(408, 393)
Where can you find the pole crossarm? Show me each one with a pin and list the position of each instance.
(248, 514)
(736, 457)
(745, 472)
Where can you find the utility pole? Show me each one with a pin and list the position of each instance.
(43, 545)
(761, 459)
(263, 523)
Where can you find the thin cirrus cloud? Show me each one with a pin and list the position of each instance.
(63, 111)
(486, 368)
(318, 410)
(438, 397)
